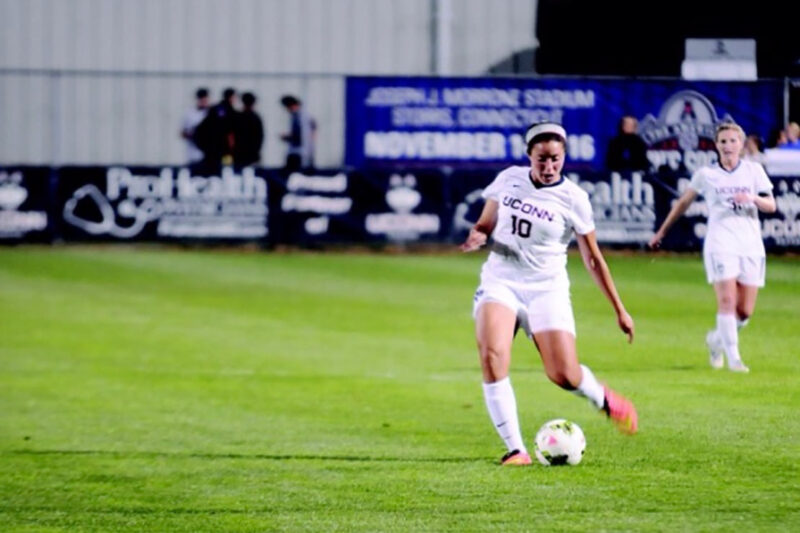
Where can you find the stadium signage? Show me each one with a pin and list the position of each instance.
(784, 229)
(402, 224)
(624, 208)
(478, 122)
(18, 217)
(335, 206)
(682, 136)
(126, 204)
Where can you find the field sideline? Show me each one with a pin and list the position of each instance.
(149, 389)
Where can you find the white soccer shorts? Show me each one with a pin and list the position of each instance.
(536, 310)
(744, 269)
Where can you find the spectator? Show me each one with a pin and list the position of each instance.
(249, 134)
(792, 137)
(193, 117)
(215, 134)
(301, 136)
(627, 151)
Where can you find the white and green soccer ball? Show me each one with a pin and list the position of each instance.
(559, 442)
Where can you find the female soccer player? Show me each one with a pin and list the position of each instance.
(531, 213)
(733, 252)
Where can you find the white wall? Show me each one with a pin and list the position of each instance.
(107, 81)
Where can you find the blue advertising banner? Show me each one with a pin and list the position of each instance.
(477, 122)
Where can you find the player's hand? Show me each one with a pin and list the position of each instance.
(475, 240)
(742, 198)
(626, 324)
(655, 242)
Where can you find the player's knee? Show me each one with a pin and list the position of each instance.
(726, 303)
(492, 356)
(558, 377)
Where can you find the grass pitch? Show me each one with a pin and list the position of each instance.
(168, 390)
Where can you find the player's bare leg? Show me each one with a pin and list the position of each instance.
(746, 296)
(560, 359)
(494, 332)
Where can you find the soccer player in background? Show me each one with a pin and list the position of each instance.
(733, 251)
(531, 213)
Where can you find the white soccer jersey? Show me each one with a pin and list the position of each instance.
(732, 228)
(534, 227)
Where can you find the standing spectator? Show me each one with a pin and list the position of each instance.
(301, 136)
(249, 134)
(193, 117)
(215, 134)
(627, 151)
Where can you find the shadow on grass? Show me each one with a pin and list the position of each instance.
(684, 367)
(253, 456)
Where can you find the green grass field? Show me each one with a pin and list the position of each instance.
(149, 389)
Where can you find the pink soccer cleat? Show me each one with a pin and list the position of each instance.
(621, 411)
(515, 458)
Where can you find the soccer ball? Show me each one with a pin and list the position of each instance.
(560, 442)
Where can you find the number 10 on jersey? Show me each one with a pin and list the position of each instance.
(520, 226)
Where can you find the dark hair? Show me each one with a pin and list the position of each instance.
(544, 136)
(288, 100)
(248, 99)
(202, 92)
(228, 93)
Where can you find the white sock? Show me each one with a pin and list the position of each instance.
(726, 326)
(590, 388)
(715, 337)
(741, 323)
(502, 406)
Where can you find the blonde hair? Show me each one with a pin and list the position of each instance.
(725, 126)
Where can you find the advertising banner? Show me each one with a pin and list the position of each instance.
(24, 201)
(154, 203)
(335, 206)
(313, 208)
(480, 122)
(358, 207)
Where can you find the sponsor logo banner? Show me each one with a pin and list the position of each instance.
(334, 206)
(24, 203)
(161, 203)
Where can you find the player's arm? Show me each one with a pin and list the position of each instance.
(596, 264)
(479, 233)
(675, 213)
